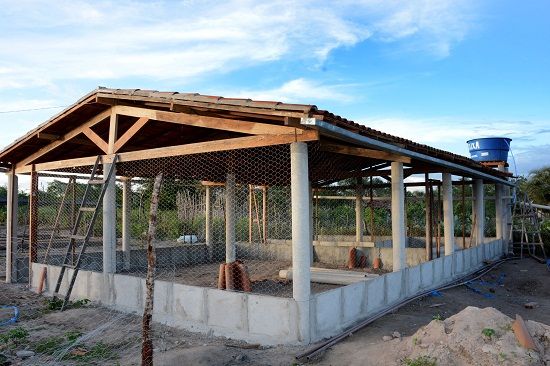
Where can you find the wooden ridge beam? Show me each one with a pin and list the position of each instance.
(68, 136)
(364, 153)
(247, 142)
(226, 124)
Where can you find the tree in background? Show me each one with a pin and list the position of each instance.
(537, 185)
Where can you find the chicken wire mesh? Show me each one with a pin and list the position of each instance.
(191, 240)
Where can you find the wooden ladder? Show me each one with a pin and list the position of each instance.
(81, 241)
(525, 222)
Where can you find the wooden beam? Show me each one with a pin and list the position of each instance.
(247, 142)
(365, 153)
(68, 136)
(130, 132)
(94, 137)
(226, 124)
(48, 136)
(113, 128)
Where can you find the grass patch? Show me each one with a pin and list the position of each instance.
(50, 345)
(56, 304)
(99, 351)
(14, 337)
(420, 361)
(488, 332)
(437, 317)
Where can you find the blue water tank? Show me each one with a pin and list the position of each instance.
(489, 149)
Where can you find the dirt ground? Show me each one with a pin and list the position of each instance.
(107, 337)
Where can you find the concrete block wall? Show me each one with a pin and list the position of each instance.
(252, 318)
(334, 311)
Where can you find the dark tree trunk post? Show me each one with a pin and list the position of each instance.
(147, 342)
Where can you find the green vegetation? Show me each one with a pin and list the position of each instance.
(98, 351)
(420, 361)
(488, 332)
(14, 337)
(437, 317)
(56, 304)
(49, 346)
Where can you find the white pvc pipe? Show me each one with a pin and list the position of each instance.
(301, 236)
(230, 250)
(109, 222)
(448, 216)
(398, 216)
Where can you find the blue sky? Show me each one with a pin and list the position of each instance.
(436, 72)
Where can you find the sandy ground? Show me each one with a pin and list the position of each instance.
(108, 337)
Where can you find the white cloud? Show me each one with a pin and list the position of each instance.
(529, 138)
(299, 91)
(43, 44)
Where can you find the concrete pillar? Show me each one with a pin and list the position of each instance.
(312, 254)
(301, 236)
(208, 222)
(398, 216)
(109, 222)
(230, 250)
(11, 228)
(448, 215)
(479, 210)
(499, 214)
(126, 212)
(359, 226)
(428, 203)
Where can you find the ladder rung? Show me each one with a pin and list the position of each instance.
(95, 181)
(78, 237)
(72, 266)
(87, 209)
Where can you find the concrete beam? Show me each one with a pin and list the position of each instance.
(359, 226)
(230, 249)
(448, 216)
(126, 197)
(301, 236)
(398, 216)
(479, 211)
(109, 221)
(208, 222)
(11, 228)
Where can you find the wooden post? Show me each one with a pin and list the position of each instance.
(264, 212)
(146, 341)
(250, 219)
(438, 222)
(463, 212)
(33, 221)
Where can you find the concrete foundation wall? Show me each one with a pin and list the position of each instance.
(327, 252)
(252, 318)
(334, 311)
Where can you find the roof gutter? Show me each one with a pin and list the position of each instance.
(331, 130)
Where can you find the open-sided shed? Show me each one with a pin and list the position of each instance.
(242, 181)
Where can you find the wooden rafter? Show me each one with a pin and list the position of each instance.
(247, 142)
(226, 124)
(365, 153)
(94, 137)
(130, 132)
(68, 136)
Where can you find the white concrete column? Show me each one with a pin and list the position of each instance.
(499, 213)
(126, 213)
(399, 238)
(230, 249)
(479, 210)
(109, 222)
(448, 215)
(311, 255)
(301, 236)
(11, 228)
(208, 222)
(359, 225)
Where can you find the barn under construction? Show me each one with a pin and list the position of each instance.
(277, 223)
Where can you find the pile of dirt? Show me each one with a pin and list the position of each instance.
(473, 336)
